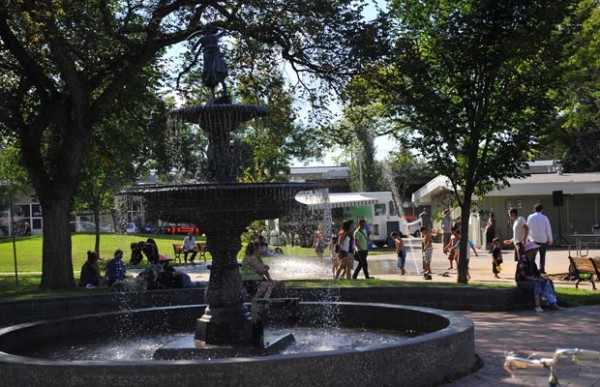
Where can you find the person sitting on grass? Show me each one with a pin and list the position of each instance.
(115, 269)
(90, 271)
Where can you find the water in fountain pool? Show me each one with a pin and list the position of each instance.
(308, 340)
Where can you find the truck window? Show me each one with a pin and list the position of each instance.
(379, 209)
(393, 208)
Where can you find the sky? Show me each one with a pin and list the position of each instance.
(383, 145)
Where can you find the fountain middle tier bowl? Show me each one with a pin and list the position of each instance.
(220, 205)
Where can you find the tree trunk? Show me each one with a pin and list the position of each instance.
(57, 263)
(463, 262)
(96, 211)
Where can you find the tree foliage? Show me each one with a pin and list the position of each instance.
(407, 171)
(125, 146)
(64, 63)
(470, 80)
(578, 139)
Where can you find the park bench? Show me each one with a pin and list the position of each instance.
(584, 269)
(178, 250)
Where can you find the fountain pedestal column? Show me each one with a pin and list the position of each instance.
(226, 321)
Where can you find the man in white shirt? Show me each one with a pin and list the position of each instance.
(520, 233)
(189, 246)
(540, 232)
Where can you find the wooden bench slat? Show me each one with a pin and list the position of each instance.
(586, 266)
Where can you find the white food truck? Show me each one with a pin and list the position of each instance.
(378, 208)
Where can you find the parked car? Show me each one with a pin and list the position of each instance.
(149, 229)
(131, 228)
(82, 226)
(179, 228)
(107, 228)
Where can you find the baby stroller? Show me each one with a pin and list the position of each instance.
(136, 252)
(150, 250)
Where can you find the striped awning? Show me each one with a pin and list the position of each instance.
(333, 200)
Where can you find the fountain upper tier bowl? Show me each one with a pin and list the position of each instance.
(221, 205)
(215, 115)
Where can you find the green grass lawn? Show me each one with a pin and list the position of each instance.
(29, 250)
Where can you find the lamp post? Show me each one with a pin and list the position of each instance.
(11, 215)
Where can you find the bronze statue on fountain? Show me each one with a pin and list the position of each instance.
(214, 70)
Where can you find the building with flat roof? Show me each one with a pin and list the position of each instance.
(570, 200)
(336, 178)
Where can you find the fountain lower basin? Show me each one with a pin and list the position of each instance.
(418, 361)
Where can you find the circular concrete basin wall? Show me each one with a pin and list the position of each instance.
(446, 351)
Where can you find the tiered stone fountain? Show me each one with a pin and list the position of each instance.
(222, 210)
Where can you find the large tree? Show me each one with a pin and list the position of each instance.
(63, 63)
(137, 121)
(578, 138)
(470, 80)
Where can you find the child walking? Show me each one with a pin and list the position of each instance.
(450, 250)
(427, 252)
(496, 257)
(400, 251)
(470, 246)
(334, 250)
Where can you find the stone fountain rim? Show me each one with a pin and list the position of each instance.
(457, 324)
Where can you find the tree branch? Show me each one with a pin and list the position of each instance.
(30, 68)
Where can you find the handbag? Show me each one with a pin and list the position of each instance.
(548, 294)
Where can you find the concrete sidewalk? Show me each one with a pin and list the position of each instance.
(527, 332)
(383, 266)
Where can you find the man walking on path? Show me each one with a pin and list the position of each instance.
(520, 233)
(540, 232)
(362, 249)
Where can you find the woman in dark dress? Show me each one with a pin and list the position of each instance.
(90, 271)
(490, 232)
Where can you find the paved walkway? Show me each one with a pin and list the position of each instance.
(524, 332)
(384, 266)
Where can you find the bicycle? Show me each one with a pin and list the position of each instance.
(550, 363)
